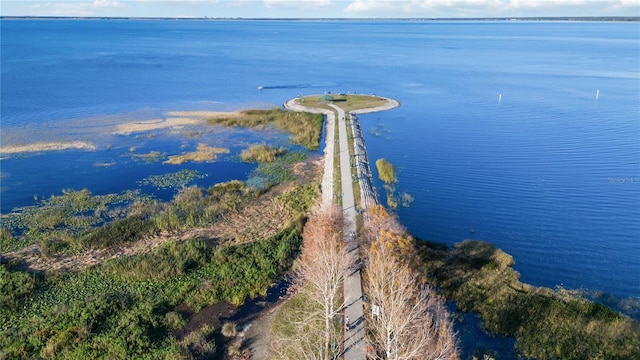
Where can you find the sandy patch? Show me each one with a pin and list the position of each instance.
(48, 146)
(202, 154)
(156, 124)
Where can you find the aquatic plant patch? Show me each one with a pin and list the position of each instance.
(176, 180)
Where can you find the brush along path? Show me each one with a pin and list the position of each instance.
(354, 337)
(327, 175)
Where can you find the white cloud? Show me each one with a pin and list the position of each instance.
(423, 7)
(64, 9)
(461, 8)
(74, 8)
(178, 2)
(299, 4)
(106, 3)
(323, 8)
(365, 6)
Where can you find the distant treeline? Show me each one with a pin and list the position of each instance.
(551, 18)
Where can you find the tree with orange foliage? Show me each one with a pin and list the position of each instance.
(411, 321)
(321, 270)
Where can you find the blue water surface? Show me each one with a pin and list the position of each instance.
(524, 134)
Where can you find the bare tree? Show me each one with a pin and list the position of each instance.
(303, 338)
(411, 321)
(321, 269)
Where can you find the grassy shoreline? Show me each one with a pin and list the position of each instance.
(546, 323)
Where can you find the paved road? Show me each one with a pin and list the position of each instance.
(354, 342)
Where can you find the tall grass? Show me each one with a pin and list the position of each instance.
(77, 220)
(261, 153)
(305, 128)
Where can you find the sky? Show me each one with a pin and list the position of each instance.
(320, 8)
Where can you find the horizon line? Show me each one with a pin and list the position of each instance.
(487, 18)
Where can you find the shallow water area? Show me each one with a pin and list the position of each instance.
(118, 161)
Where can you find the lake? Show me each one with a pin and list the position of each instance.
(524, 134)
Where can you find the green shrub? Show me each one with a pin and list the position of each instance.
(300, 199)
(174, 320)
(118, 232)
(15, 287)
(169, 260)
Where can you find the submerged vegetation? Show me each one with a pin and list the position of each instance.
(150, 157)
(59, 222)
(276, 172)
(305, 128)
(547, 324)
(387, 173)
(176, 180)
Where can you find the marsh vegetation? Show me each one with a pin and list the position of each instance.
(261, 153)
(203, 153)
(387, 173)
(547, 324)
(305, 128)
(125, 307)
(137, 262)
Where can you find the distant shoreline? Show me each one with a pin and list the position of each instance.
(507, 19)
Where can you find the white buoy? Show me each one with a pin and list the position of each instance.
(500, 99)
(597, 94)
